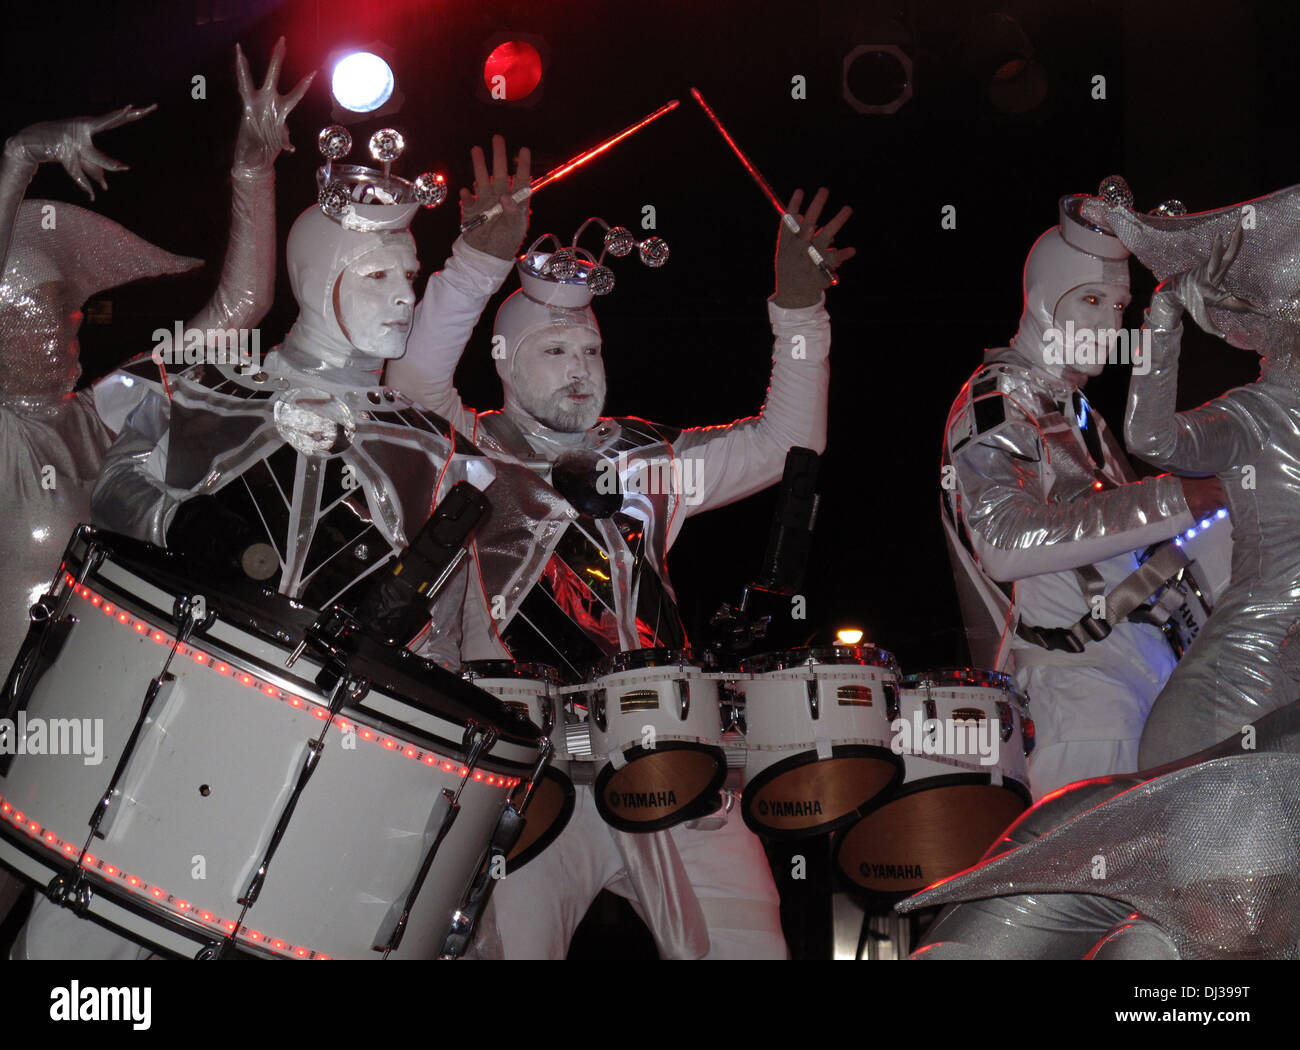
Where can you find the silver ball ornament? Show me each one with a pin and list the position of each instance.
(654, 251)
(1170, 207)
(335, 142)
(563, 265)
(619, 241)
(430, 189)
(334, 199)
(386, 145)
(600, 279)
(1114, 190)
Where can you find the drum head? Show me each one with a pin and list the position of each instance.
(661, 787)
(799, 796)
(639, 659)
(975, 677)
(548, 813)
(927, 831)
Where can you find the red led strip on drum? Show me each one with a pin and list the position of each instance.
(365, 732)
(161, 898)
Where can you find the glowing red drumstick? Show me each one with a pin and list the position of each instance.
(790, 221)
(519, 196)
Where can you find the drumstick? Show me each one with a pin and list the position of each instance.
(519, 196)
(791, 223)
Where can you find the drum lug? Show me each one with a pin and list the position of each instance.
(208, 953)
(1027, 734)
(1004, 717)
(890, 689)
(814, 702)
(74, 894)
(190, 613)
(931, 714)
(683, 698)
(548, 714)
(598, 708)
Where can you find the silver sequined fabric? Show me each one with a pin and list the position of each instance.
(1209, 853)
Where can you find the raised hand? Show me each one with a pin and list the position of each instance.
(500, 236)
(262, 131)
(69, 143)
(1199, 289)
(800, 281)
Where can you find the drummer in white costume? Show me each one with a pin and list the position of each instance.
(703, 888)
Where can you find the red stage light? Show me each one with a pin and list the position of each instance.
(512, 71)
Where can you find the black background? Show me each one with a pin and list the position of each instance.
(1200, 103)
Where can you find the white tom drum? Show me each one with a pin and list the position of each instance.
(963, 735)
(655, 734)
(816, 730)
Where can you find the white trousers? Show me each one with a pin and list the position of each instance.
(53, 932)
(535, 911)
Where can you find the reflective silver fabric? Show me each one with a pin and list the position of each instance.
(1241, 665)
(1206, 848)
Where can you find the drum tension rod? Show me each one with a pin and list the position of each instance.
(348, 689)
(76, 894)
(476, 741)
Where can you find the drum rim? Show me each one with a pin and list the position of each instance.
(699, 807)
(645, 659)
(968, 778)
(501, 667)
(975, 677)
(809, 757)
(561, 822)
(280, 623)
(801, 656)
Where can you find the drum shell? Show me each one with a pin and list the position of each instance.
(643, 719)
(208, 779)
(951, 805)
(852, 704)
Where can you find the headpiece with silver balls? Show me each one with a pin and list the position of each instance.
(367, 199)
(573, 272)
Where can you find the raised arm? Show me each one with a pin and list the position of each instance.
(455, 298)
(68, 142)
(1016, 532)
(741, 458)
(247, 286)
(1206, 440)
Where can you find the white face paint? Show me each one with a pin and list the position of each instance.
(374, 299)
(1096, 309)
(559, 378)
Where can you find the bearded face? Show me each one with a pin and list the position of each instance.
(559, 378)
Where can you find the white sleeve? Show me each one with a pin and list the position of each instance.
(739, 459)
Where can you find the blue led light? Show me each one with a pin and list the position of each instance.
(1190, 533)
(1221, 513)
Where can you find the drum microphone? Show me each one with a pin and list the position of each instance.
(396, 607)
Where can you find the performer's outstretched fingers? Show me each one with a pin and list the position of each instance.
(809, 224)
(243, 75)
(833, 227)
(480, 168)
(295, 96)
(500, 170)
(523, 168)
(796, 201)
(90, 155)
(273, 70)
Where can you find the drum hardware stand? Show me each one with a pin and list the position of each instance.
(347, 689)
(77, 893)
(477, 740)
(465, 918)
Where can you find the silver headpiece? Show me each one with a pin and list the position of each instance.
(369, 199)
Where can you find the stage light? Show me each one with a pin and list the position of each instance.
(512, 70)
(362, 82)
(848, 636)
(877, 78)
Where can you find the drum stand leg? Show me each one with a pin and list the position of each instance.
(347, 689)
(476, 741)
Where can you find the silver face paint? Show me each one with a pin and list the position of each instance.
(375, 299)
(559, 378)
